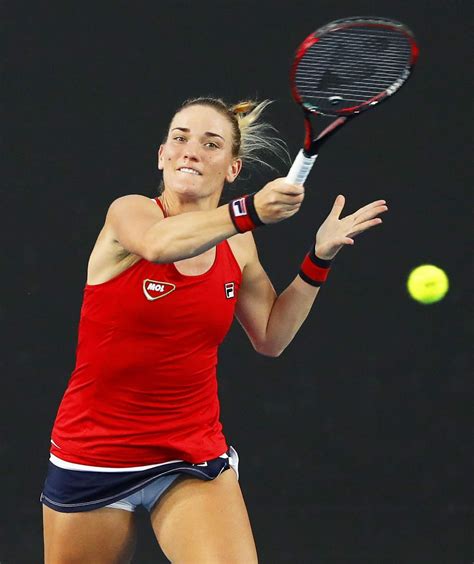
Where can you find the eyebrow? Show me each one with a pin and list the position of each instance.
(207, 134)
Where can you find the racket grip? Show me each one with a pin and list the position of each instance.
(300, 168)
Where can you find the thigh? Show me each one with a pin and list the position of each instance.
(100, 536)
(200, 521)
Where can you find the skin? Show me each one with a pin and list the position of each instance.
(192, 521)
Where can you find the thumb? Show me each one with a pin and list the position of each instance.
(338, 206)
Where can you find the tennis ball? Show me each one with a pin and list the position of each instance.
(427, 284)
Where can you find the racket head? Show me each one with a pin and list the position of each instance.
(350, 65)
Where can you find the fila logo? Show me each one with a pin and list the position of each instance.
(229, 290)
(154, 290)
(239, 207)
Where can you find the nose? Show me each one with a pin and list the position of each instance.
(191, 151)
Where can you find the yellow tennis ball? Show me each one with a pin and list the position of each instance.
(427, 284)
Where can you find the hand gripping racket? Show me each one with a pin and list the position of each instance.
(344, 68)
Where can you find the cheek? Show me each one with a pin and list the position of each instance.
(219, 170)
(168, 155)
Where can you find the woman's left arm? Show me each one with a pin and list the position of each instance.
(272, 321)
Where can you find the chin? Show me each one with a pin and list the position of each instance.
(186, 193)
(187, 189)
(191, 188)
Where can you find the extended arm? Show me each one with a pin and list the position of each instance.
(138, 225)
(272, 321)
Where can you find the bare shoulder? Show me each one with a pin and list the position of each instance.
(131, 205)
(125, 208)
(109, 257)
(244, 248)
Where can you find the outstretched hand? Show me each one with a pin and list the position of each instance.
(335, 232)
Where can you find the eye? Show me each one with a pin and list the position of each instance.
(212, 145)
(179, 138)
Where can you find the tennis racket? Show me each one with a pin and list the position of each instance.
(343, 69)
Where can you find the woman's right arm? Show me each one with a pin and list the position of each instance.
(137, 223)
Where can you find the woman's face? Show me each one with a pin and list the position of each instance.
(196, 158)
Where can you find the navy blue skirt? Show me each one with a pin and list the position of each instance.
(72, 491)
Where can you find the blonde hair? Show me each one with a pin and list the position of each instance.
(251, 136)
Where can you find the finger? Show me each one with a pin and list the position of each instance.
(290, 190)
(377, 203)
(287, 200)
(289, 212)
(369, 214)
(344, 241)
(283, 187)
(364, 226)
(338, 206)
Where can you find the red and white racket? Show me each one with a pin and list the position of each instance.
(344, 68)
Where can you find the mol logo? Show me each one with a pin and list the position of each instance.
(154, 289)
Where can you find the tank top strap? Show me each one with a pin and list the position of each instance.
(158, 201)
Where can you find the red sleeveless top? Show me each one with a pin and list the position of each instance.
(144, 388)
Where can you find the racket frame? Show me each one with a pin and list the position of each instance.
(312, 144)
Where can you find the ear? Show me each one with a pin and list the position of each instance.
(234, 170)
(160, 157)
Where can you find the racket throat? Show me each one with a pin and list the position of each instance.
(308, 137)
(327, 133)
(329, 130)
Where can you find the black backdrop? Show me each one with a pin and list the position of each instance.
(354, 443)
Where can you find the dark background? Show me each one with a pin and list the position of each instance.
(356, 443)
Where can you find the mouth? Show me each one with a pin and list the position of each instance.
(188, 170)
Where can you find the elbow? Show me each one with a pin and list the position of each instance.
(151, 254)
(272, 354)
(269, 351)
(150, 249)
(155, 249)
(267, 346)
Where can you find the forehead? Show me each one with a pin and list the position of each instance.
(200, 119)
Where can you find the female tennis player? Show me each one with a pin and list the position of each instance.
(139, 421)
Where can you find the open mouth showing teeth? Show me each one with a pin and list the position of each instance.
(189, 170)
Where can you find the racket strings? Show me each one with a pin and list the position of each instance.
(351, 66)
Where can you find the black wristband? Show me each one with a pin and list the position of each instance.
(243, 213)
(314, 270)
